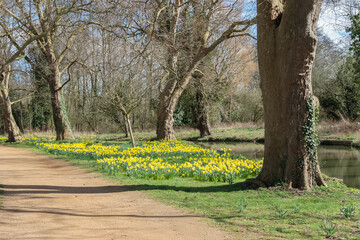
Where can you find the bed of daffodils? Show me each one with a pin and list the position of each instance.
(160, 160)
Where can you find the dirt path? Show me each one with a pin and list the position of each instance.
(50, 199)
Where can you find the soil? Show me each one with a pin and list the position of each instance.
(48, 198)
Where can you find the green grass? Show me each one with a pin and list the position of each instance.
(229, 133)
(260, 219)
(219, 203)
(235, 132)
(243, 133)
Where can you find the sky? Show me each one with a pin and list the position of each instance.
(333, 25)
(331, 22)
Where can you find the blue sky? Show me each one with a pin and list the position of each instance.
(331, 21)
(334, 24)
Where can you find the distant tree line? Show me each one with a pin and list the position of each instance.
(105, 66)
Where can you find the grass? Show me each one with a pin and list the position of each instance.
(234, 132)
(251, 132)
(260, 219)
(302, 212)
(341, 130)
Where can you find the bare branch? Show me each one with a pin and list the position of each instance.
(69, 79)
(22, 48)
(227, 34)
(68, 44)
(21, 99)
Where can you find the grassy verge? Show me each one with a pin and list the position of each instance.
(251, 214)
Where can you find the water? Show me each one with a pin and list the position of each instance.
(335, 161)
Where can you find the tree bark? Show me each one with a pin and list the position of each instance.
(168, 101)
(62, 129)
(201, 111)
(286, 50)
(21, 119)
(10, 126)
(170, 96)
(128, 123)
(165, 119)
(126, 130)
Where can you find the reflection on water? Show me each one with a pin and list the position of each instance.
(335, 161)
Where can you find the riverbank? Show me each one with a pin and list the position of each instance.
(324, 142)
(335, 161)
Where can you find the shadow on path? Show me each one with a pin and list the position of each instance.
(46, 189)
(93, 215)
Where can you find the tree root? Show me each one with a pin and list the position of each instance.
(318, 178)
(253, 183)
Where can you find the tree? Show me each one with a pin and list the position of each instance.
(7, 57)
(354, 30)
(40, 104)
(286, 51)
(54, 25)
(336, 78)
(328, 60)
(125, 94)
(347, 89)
(353, 99)
(11, 128)
(201, 107)
(183, 28)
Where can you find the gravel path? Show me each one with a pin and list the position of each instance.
(47, 198)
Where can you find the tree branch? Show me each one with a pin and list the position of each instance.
(19, 100)
(69, 79)
(22, 48)
(227, 34)
(68, 43)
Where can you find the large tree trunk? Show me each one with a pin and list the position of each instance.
(11, 128)
(169, 98)
(286, 50)
(62, 127)
(165, 119)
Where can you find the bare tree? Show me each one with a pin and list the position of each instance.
(11, 128)
(124, 97)
(8, 55)
(184, 30)
(54, 25)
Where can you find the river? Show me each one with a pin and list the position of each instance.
(335, 161)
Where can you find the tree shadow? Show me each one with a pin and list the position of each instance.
(48, 189)
(241, 186)
(61, 212)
